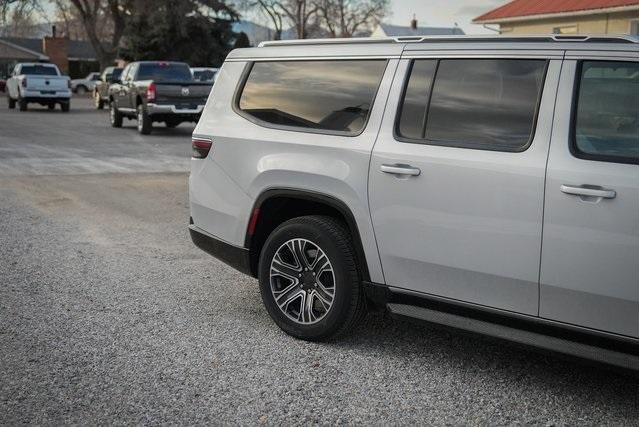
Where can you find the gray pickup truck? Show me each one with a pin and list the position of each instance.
(157, 91)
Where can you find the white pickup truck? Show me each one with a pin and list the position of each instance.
(38, 82)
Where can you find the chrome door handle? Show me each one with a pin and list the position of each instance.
(400, 170)
(589, 191)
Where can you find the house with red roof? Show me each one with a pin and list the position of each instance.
(564, 17)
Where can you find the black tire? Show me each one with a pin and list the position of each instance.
(22, 104)
(144, 120)
(66, 106)
(50, 106)
(115, 116)
(348, 305)
(12, 103)
(98, 101)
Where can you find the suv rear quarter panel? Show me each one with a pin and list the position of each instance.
(248, 159)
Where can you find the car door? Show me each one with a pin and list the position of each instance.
(118, 89)
(129, 88)
(590, 258)
(457, 176)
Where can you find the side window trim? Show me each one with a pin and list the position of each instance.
(244, 79)
(572, 138)
(462, 144)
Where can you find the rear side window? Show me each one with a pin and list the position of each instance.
(607, 114)
(333, 96)
(39, 70)
(487, 104)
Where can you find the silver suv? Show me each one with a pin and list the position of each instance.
(488, 184)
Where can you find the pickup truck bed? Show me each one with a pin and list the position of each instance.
(157, 92)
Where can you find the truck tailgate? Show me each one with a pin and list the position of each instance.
(46, 83)
(182, 94)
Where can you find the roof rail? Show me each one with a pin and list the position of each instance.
(459, 38)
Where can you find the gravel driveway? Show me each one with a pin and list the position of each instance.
(110, 315)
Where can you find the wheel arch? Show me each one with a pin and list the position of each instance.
(275, 206)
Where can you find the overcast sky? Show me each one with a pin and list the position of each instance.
(442, 13)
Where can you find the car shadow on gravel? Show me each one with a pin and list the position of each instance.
(488, 357)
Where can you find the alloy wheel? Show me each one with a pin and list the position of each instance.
(302, 281)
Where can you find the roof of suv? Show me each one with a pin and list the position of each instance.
(395, 46)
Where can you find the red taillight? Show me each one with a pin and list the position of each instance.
(201, 148)
(24, 82)
(150, 92)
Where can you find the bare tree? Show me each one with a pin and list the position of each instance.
(93, 13)
(18, 17)
(300, 14)
(270, 9)
(345, 18)
(275, 14)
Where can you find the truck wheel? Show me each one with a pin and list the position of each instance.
(115, 116)
(144, 121)
(12, 103)
(310, 280)
(99, 103)
(50, 106)
(66, 106)
(22, 104)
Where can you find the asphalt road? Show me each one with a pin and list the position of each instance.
(110, 315)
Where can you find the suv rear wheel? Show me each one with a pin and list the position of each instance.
(144, 121)
(309, 278)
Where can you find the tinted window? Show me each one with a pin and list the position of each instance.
(126, 72)
(117, 72)
(40, 70)
(607, 118)
(480, 103)
(413, 113)
(488, 103)
(164, 71)
(323, 95)
(204, 75)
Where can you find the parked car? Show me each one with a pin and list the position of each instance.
(486, 184)
(157, 91)
(85, 85)
(101, 89)
(41, 83)
(204, 74)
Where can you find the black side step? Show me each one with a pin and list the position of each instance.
(561, 345)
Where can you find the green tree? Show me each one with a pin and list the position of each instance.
(198, 32)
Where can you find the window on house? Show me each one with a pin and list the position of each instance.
(567, 29)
